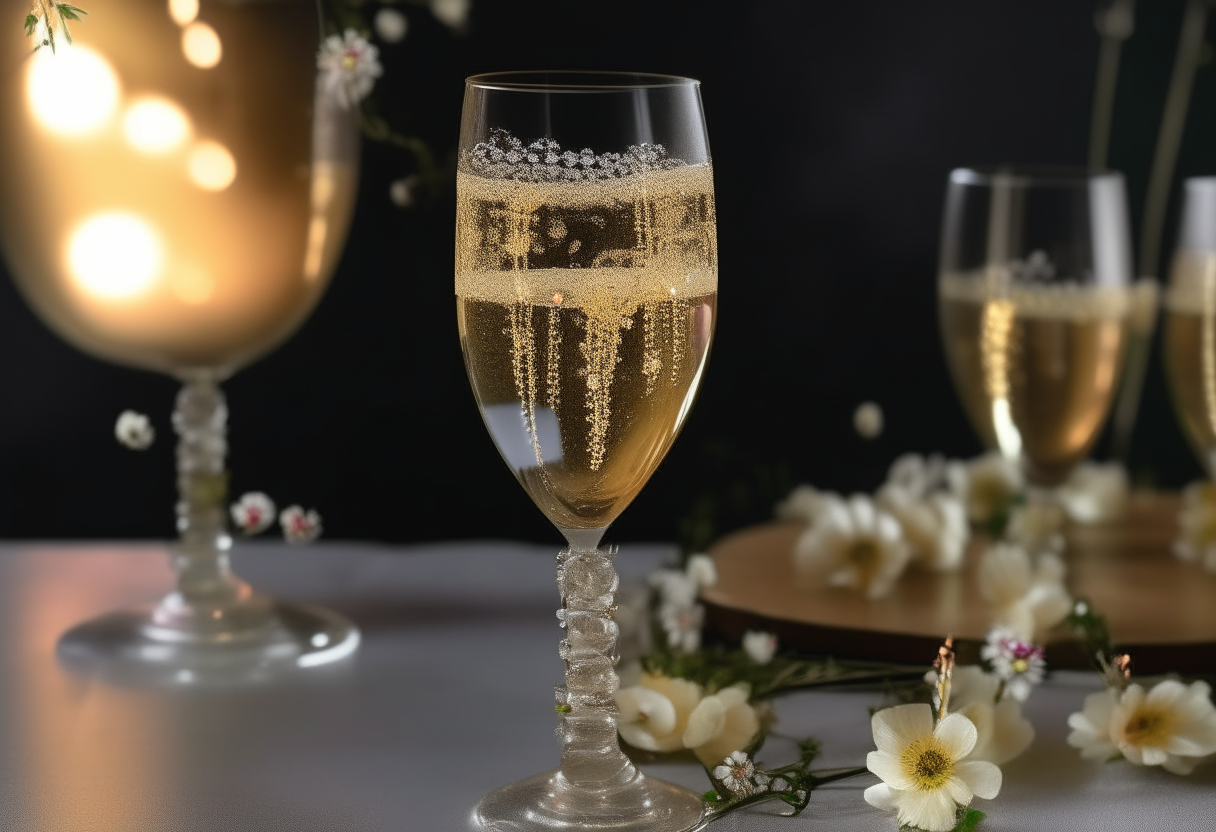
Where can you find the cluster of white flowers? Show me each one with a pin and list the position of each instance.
(661, 713)
(253, 513)
(1028, 598)
(1173, 725)
(1197, 525)
(738, 774)
(679, 613)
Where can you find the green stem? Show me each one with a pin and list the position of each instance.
(840, 775)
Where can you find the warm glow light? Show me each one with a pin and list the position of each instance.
(155, 125)
(115, 256)
(201, 45)
(191, 284)
(211, 166)
(72, 92)
(183, 12)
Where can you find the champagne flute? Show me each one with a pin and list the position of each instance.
(586, 290)
(177, 188)
(1190, 320)
(1035, 299)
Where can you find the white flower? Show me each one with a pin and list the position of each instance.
(349, 67)
(654, 713)
(1001, 731)
(452, 13)
(854, 544)
(988, 485)
(401, 191)
(1095, 492)
(721, 723)
(934, 524)
(868, 420)
(300, 526)
(391, 25)
(1172, 726)
(1027, 600)
(1197, 525)
(759, 646)
(1019, 664)
(1038, 526)
(925, 770)
(134, 430)
(253, 513)
(682, 624)
(739, 775)
(806, 503)
(701, 570)
(921, 475)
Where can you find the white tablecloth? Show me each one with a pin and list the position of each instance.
(449, 696)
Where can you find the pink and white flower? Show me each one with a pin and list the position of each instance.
(253, 513)
(349, 67)
(300, 526)
(1019, 664)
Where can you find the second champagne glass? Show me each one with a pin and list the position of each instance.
(1035, 297)
(586, 287)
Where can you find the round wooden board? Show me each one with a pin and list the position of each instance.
(1163, 611)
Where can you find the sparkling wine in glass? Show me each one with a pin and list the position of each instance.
(586, 292)
(177, 189)
(1190, 320)
(1035, 299)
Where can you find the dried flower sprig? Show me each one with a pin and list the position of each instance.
(40, 22)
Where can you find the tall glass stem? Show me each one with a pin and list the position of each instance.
(207, 592)
(591, 753)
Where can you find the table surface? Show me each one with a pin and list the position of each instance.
(449, 696)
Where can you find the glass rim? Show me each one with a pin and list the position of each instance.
(548, 80)
(1031, 175)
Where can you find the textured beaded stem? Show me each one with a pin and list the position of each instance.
(591, 753)
(205, 584)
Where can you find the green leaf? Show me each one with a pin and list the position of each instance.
(70, 11)
(711, 796)
(562, 709)
(31, 23)
(1114, 758)
(969, 821)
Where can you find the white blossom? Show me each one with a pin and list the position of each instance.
(926, 770)
(806, 503)
(934, 524)
(1095, 492)
(391, 25)
(653, 714)
(682, 624)
(1027, 600)
(919, 475)
(1197, 525)
(1019, 664)
(1173, 725)
(701, 570)
(300, 526)
(759, 646)
(721, 723)
(738, 774)
(1001, 731)
(349, 67)
(868, 420)
(253, 513)
(1038, 526)
(854, 544)
(134, 430)
(451, 13)
(988, 485)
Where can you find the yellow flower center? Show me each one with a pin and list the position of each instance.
(927, 764)
(349, 61)
(1019, 665)
(1149, 725)
(863, 554)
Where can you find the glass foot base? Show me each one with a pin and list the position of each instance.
(131, 648)
(549, 801)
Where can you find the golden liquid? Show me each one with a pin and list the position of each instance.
(1190, 347)
(586, 312)
(138, 241)
(1037, 367)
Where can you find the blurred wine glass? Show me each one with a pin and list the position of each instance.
(177, 188)
(1035, 305)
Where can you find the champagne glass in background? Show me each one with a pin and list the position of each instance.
(1035, 300)
(586, 291)
(176, 192)
(1190, 320)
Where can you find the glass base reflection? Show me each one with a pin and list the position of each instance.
(549, 801)
(262, 641)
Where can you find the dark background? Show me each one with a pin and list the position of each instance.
(833, 127)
